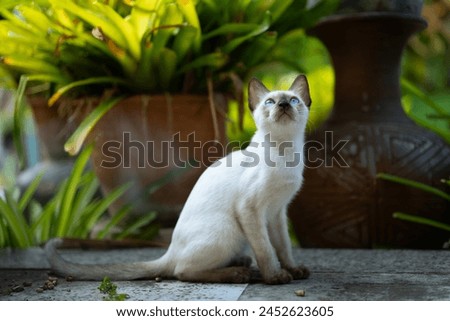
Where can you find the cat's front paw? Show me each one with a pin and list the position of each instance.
(300, 272)
(280, 277)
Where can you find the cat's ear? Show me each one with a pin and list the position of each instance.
(300, 87)
(256, 91)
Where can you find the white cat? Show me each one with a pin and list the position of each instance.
(240, 200)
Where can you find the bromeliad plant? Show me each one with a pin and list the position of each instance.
(117, 48)
(87, 47)
(73, 43)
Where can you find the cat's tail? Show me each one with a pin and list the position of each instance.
(122, 271)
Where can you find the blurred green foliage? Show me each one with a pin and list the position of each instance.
(425, 71)
(72, 212)
(425, 188)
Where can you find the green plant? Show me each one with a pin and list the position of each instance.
(110, 289)
(7, 162)
(427, 109)
(144, 46)
(425, 78)
(426, 188)
(91, 46)
(72, 212)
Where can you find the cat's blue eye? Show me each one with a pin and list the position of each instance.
(269, 101)
(294, 101)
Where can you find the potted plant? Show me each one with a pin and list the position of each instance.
(122, 67)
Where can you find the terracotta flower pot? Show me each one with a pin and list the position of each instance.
(143, 139)
(54, 125)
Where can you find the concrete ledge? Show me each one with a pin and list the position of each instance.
(336, 275)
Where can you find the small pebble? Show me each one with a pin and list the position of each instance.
(17, 288)
(69, 278)
(39, 290)
(158, 279)
(27, 284)
(300, 292)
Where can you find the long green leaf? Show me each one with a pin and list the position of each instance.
(279, 7)
(231, 28)
(183, 41)
(4, 239)
(51, 78)
(75, 141)
(187, 7)
(88, 187)
(20, 24)
(167, 67)
(19, 116)
(124, 27)
(172, 20)
(414, 184)
(79, 227)
(255, 9)
(263, 27)
(414, 90)
(17, 40)
(145, 74)
(43, 226)
(91, 217)
(422, 220)
(34, 210)
(16, 223)
(143, 15)
(82, 83)
(7, 4)
(29, 192)
(214, 60)
(33, 17)
(30, 65)
(72, 183)
(133, 228)
(116, 219)
(63, 19)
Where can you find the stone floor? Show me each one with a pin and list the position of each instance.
(336, 275)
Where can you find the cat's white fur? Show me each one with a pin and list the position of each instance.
(240, 200)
